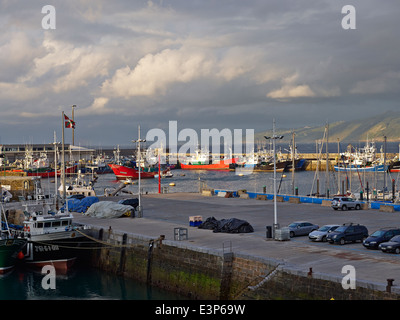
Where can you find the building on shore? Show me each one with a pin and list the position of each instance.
(10, 153)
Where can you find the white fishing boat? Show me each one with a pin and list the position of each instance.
(53, 239)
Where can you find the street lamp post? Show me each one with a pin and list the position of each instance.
(274, 137)
(138, 141)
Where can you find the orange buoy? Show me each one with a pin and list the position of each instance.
(20, 255)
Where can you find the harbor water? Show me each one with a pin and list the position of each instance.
(306, 182)
(80, 283)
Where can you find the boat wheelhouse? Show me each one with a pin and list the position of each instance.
(52, 240)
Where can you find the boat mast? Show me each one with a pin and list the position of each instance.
(293, 161)
(55, 171)
(63, 158)
(327, 163)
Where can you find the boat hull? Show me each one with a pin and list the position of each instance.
(123, 172)
(9, 249)
(59, 249)
(221, 165)
(51, 173)
(376, 168)
(395, 167)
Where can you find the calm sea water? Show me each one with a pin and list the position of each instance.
(80, 283)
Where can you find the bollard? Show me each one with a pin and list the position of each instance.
(389, 285)
(269, 232)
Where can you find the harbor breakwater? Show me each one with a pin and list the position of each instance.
(206, 274)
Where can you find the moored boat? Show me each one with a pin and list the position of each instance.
(49, 172)
(124, 172)
(220, 165)
(395, 166)
(361, 168)
(10, 245)
(52, 240)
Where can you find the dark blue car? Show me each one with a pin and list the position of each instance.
(379, 236)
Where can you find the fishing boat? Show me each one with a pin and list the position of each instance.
(124, 172)
(219, 165)
(49, 172)
(361, 160)
(52, 239)
(395, 166)
(10, 245)
(361, 168)
(79, 186)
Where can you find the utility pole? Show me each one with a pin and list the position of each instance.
(138, 141)
(327, 163)
(274, 137)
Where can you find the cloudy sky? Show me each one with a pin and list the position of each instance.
(233, 64)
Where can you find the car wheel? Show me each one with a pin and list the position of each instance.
(358, 207)
(397, 250)
(342, 241)
(291, 234)
(344, 208)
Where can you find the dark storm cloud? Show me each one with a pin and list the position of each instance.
(225, 64)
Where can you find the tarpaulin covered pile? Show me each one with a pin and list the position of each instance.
(76, 205)
(232, 225)
(109, 209)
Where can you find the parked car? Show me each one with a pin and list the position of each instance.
(393, 245)
(321, 233)
(345, 203)
(134, 202)
(379, 236)
(301, 228)
(348, 233)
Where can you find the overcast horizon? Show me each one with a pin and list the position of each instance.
(205, 64)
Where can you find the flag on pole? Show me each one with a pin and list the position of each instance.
(68, 122)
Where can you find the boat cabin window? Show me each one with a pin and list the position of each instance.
(47, 224)
(65, 222)
(56, 223)
(40, 225)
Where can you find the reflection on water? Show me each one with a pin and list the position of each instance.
(306, 182)
(82, 283)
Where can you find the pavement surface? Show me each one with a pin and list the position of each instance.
(164, 212)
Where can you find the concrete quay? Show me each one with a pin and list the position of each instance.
(164, 212)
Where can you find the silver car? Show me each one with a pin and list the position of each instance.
(345, 203)
(321, 233)
(301, 228)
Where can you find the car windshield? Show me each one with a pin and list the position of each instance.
(395, 239)
(341, 229)
(324, 228)
(378, 233)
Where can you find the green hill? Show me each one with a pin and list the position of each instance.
(373, 128)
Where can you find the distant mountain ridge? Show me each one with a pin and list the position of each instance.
(372, 129)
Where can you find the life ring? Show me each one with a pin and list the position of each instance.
(27, 229)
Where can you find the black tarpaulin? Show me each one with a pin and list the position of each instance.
(232, 225)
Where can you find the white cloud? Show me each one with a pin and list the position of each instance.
(291, 89)
(97, 107)
(72, 66)
(155, 72)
